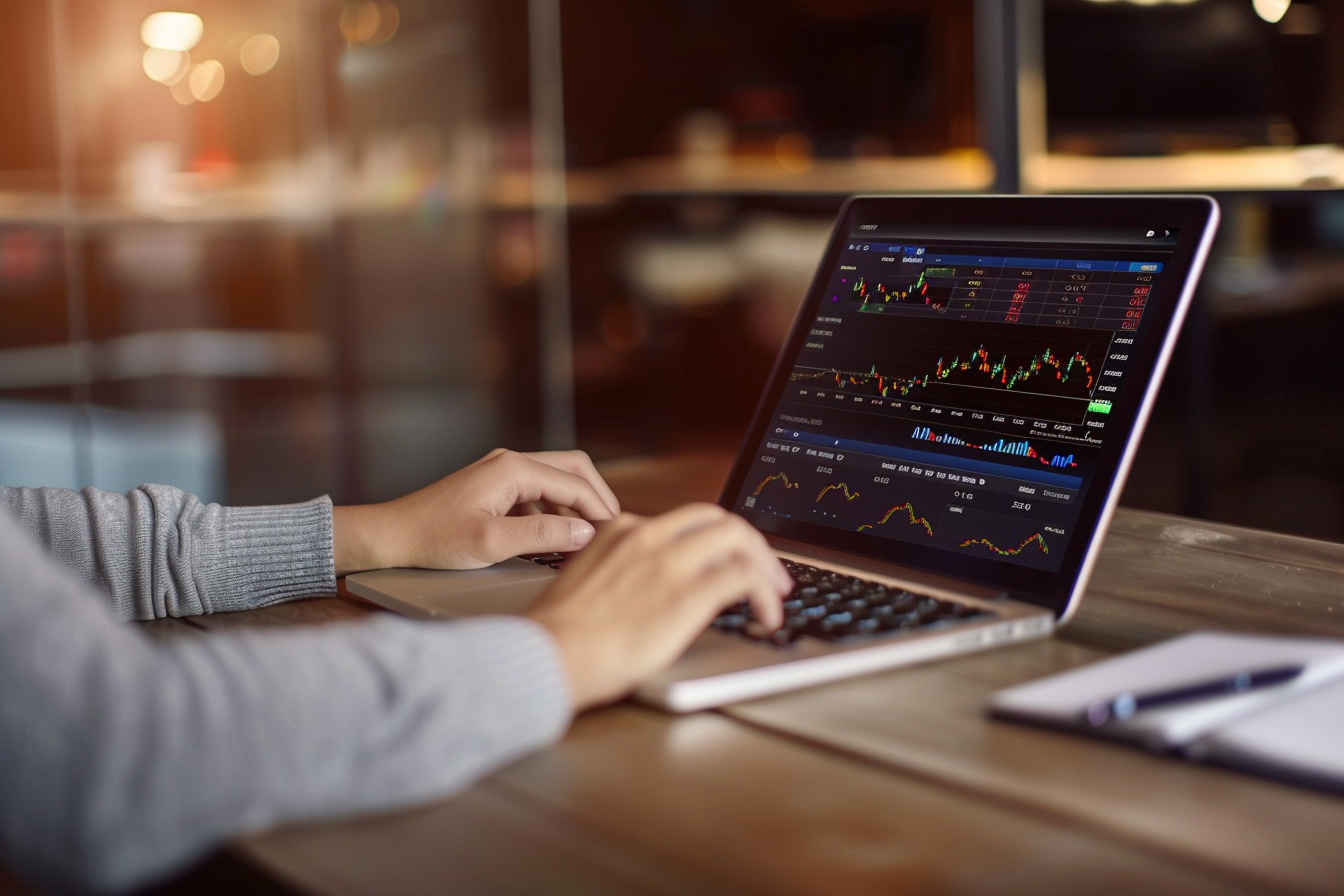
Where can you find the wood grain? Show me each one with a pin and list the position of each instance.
(311, 611)
(1161, 575)
(928, 722)
(481, 841)
(636, 801)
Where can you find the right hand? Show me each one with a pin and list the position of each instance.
(632, 601)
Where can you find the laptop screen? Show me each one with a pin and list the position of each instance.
(955, 391)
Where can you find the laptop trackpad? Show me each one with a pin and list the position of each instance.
(507, 587)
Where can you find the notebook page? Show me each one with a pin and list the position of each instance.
(1060, 700)
(1300, 738)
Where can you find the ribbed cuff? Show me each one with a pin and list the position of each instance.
(270, 555)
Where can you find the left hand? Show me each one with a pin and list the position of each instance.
(505, 504)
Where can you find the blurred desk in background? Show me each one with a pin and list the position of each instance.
(891, 783)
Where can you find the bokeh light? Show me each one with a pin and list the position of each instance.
(1271, 10)
(166, 66)
(181, 91)
(370, 23)
(259, 54)
(172, 30)
(794, 152)
(206, 80)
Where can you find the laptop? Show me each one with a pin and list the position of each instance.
(940, 446)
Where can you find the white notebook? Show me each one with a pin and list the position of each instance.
(1293, 730)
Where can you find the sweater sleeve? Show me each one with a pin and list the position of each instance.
(157, 551)
(125, 758)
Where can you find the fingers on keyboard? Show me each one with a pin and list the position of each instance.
(835, 606)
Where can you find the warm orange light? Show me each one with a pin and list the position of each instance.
(181, 91)
(794, 152)
(206, 80)
(172, 30)
(166, 66)
(389, 17)
(359, 22)
(370, 22)
(259, 54)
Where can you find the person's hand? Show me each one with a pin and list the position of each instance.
(632, 602)
(505, 504)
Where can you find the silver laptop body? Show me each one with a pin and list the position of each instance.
(953, 414)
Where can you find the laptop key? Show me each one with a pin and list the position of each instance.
(867, 626)
(836, 621)
(903, 601)
(853, 588)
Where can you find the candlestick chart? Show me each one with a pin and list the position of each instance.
(932, 288)
(1033, 371)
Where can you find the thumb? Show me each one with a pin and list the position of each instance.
(539, 534)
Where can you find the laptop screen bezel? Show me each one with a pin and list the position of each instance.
(1189, 216)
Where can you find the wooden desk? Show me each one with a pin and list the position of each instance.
(894, 783)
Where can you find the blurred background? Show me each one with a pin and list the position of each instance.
(269, 249)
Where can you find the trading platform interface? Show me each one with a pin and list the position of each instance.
(955, 392)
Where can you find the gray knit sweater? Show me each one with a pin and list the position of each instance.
(121, 758)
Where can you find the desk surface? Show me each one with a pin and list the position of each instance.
(891, 783)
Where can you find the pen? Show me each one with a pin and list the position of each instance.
(1125, 705)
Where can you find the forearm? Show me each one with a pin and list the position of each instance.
(124, 760)
(157, 551)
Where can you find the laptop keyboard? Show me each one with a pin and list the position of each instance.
(834, 606)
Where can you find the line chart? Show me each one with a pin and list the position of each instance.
(840, 487)
(1037, 538)
(775, 477)
(909, 509)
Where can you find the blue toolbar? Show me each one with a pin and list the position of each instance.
(918, 255)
